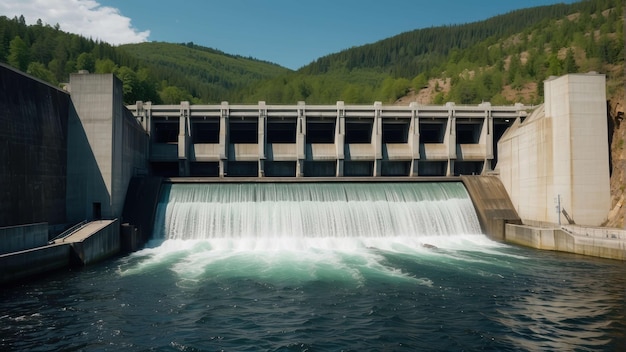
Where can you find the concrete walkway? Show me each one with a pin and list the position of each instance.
(85, 231)
(596, 232)
(600, 242)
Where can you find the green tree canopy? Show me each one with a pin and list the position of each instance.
(19, 54)
(40, 71)
(86, 61)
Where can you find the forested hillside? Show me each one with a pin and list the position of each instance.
(200, 73)
(157, 72)
(503, 59)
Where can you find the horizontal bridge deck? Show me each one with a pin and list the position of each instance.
(323, 140)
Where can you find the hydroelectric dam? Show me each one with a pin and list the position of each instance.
(84, 175)
(305, 227)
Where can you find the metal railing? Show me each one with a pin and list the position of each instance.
(69, 231)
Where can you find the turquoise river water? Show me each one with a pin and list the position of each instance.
(322, 267)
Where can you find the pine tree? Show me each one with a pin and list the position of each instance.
(19, 55)
(569, 64)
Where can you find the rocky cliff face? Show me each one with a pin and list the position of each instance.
(615, 109)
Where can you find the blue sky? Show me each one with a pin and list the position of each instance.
(287, 32)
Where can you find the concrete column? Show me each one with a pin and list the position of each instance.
(414, 138)
(377, 138)
(224, 111)
(261, 128)
(142, 113)
(450, 138)
(486, 136)
(300, 139)
(147, 125)
(340, 135)
(184, 134)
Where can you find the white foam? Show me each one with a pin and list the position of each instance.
(288, 259)
(312, 210)
(307, 231)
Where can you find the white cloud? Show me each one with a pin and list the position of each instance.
(85, 17)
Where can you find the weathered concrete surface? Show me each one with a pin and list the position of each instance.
(492, 204)
(19, 265)
(560, 153)
(139, 210)
(33, 148)
(95, 241)
(106, 148)
(350, 140)
(19, 238)
(603, 243)
(310, 179)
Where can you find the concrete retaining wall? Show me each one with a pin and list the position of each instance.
(556, 239)
(139, 209)
(99, 244)
(529, 236)
(492, 204)
(559, 156)
(20, 265)
(19, 238)
(33, 148)
(93, 242)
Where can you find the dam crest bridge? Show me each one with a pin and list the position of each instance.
(339, 140)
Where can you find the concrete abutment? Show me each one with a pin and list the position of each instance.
(492, 204)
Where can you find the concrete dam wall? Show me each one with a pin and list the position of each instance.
(64, 160)
(80, 156)
(33, 150)
(558, 157)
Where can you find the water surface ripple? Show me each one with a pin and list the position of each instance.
(467, 294)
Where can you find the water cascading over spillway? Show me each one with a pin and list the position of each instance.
(326, 267)
(314, 210)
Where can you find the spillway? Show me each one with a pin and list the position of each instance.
(314, 210)
(328, 266)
